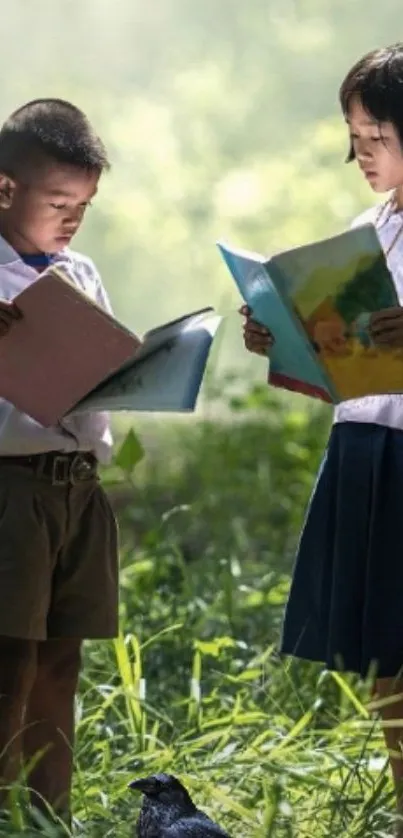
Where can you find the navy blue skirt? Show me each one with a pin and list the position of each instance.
(345, 606)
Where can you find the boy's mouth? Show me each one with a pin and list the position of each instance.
(64, 238)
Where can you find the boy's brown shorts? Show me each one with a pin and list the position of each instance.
(58, 549)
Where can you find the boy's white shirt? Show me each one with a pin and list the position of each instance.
(380, 410)
(19, 433)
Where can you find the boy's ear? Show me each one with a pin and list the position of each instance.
(7, 189)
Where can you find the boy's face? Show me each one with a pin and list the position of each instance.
(377, 148)
(43, 213)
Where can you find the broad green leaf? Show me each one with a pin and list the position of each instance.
(130, 453)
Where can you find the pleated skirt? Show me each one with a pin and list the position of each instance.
(345, 606)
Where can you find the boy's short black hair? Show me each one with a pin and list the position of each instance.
(377, 79)
(49, 129)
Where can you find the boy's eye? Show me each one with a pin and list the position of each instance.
(82, 206)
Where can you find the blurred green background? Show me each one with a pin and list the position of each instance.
(222, 121)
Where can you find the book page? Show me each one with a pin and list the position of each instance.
(166, 379)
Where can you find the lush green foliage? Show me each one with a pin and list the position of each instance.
(222, 121)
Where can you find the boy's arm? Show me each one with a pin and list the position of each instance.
(101, 294)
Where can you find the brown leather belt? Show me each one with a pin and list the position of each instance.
(60, 469)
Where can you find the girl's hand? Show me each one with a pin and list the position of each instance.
(257, 338)
(386, 327)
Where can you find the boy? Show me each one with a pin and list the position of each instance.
(58, 539)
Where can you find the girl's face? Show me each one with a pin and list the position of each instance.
(377, 148)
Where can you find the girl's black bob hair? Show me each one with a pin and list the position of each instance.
(377, 80)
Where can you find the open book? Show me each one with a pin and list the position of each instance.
(317, 300)
(67, 355)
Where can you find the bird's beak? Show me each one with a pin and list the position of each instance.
(145, 785)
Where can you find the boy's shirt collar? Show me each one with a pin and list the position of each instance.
(39, 261)
(9, 256)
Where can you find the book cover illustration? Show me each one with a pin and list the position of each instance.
(317, 300)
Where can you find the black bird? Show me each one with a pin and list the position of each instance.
(169, 812)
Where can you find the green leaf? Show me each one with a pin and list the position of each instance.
(130, 452)
(214, 647)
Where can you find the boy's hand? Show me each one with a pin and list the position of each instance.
(8, 314)
(387, 327)
(257, 338)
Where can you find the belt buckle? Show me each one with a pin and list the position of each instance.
(60, 470)
(81, 469)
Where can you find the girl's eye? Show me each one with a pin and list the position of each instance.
(58, 206)
(355, 138)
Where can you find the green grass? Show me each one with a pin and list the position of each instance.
(266, 747)
(270, 748)
(265, 750)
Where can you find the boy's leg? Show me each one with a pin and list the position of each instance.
(33, 518)
(49, 724)
(58, 579)
(84, 604)
(17, 673)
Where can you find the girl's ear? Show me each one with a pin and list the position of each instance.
(7, 189)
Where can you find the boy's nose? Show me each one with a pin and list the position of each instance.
(73, 216)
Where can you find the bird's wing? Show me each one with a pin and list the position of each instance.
(195, 827)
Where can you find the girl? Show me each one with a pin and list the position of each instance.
(345, 606)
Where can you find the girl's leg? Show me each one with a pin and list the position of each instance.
(389, 691)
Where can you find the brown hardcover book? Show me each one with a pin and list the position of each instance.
(68, 355)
